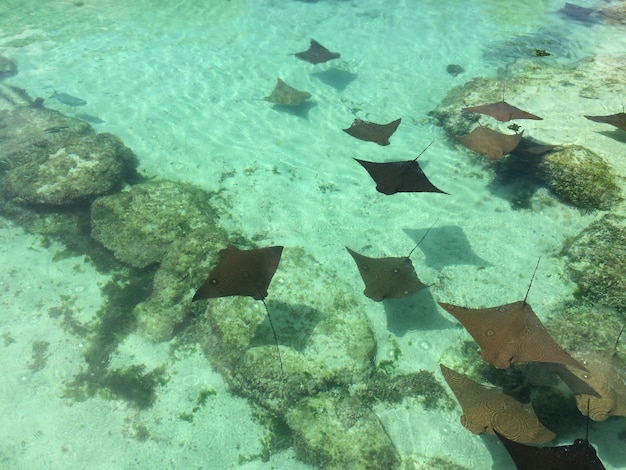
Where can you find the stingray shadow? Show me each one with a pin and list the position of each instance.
(501, 458)
(415, 312)
(294, 324)
(337, 78)
(445, 246)
(301, 111)
(617, 134)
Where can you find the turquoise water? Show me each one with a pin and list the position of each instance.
(181, 83)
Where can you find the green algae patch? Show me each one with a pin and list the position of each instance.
(597, 261)
(39, 355)
(140, 224)
(582, 325)
(181, 272)
(133, 384)
(580, 177)
(422, 385)
(339, 432)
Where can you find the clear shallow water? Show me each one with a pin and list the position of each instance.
(181, 84)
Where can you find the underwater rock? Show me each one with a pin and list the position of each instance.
(338, 432)
(448, 112)
(597, 261)
(169, 303)
(28, 131)
(7, 67)
(331, 342)
(579, 323)
(607, 376)
(79, 169)
(579, 177)
(140, 224)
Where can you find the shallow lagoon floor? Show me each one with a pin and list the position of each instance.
(182, 86)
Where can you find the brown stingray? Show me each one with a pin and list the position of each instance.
(316, 53)
(531, 150)
(502, 111)
(372, 132)
(511, 333)
(606, 374)
(490, 143)
(241, 272)
(387, 278)
(580, 455)
(618, 120)
(486, 409)
(286, 95)
(400, 177)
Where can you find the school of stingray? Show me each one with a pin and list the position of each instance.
(506, 334)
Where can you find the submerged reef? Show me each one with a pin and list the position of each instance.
(339, 432)
(597, 261)
(579, 177)
(77, 169)
(573, 173)
(175, 280)
(140, 224)
(52, 167)
(325, 382)
(169, 224)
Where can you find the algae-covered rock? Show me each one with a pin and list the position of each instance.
(580, 177)
(81, 168)
(316, 348)
(330, 342)
(140, 224)
(179, 275)
(30, 134)
(597, 261)
(338, 432)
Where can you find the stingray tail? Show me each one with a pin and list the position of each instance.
(280, 360)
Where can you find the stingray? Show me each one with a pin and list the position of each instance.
(580, 455)
(400, 177)
(243, 273)
(316, 53)
(531, 150)
(618, 120)
(490, 143)
(511, 333)
(606, 376)
(372, 132)
(286, 95)
(502, 111)
(387, 278)
(488, 409)
(577, 12)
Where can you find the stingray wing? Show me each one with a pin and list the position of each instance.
(618, 120)
(502, 111)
